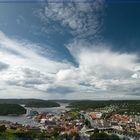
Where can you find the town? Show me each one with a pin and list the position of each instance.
(75, 124)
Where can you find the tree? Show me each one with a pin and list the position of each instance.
(99, 136)
(87, 123)
(115, 137)
(96, 130)
(2, 128)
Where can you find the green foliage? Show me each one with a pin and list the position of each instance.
(99, 136)
(69, 136)
(31, 102)
(12, 109)
(83, 105)
(124, 106)
(2, 128)
(103, 136)
(87, 123)
(42, 104)
(8, 136)
(73, 114)
(96, 131)
(114, 137)
(27, 135)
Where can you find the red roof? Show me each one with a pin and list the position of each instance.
(93, 116)
(122, 118)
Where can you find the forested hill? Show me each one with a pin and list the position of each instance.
(121, 106)
(42, 104)
(31, 102)
(19, 101)
(11, 109)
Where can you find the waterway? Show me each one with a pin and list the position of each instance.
(29, 121)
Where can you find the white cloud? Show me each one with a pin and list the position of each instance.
(100, 70)
(136, 75)
(100, 73)
(25, 53)
(27, 68)
(83, 18)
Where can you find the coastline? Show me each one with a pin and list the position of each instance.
(23, 119)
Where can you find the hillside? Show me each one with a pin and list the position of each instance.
(11, 109)
(31, 102)
(42, 104)
(121, 106)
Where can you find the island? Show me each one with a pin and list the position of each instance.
(42, 104)
(11, 109)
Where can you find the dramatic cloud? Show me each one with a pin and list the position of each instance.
(83, 19)
(101, 70)
(100, 73)
(26, 67)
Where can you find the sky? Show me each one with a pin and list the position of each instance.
(70, 49)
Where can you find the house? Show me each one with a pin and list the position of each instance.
(95, 115)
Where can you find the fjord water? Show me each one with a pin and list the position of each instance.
(29, 121)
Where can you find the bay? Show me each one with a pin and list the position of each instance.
(29, 121)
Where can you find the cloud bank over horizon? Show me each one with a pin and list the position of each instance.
(99, 72)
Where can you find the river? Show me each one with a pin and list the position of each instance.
(28, 121)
